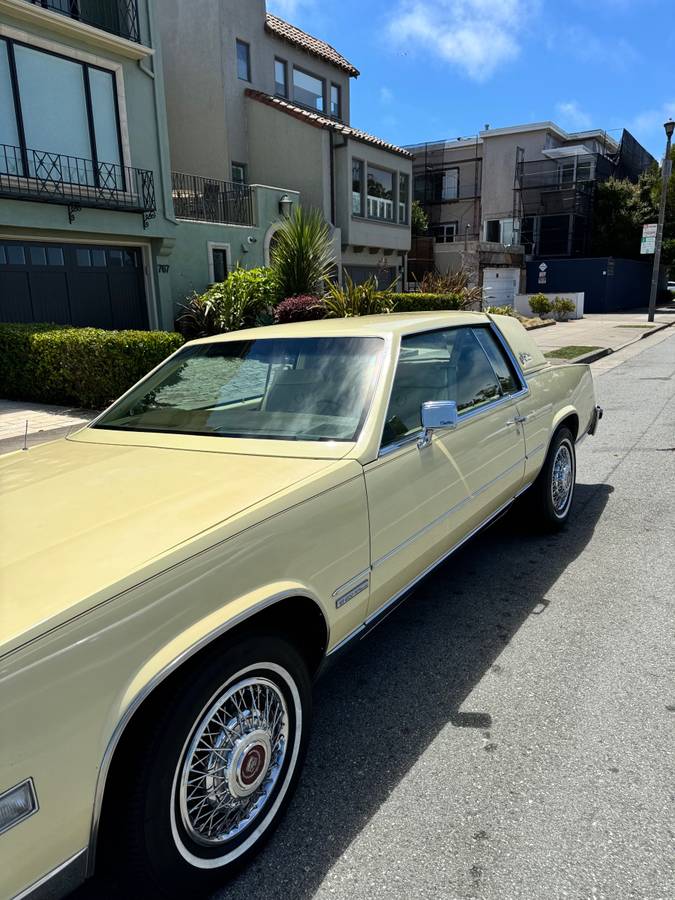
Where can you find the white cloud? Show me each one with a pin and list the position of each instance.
(386, 95)
(477, 36)
(572, 116)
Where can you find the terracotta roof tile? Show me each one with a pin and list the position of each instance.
(320, 121)
(309, 43)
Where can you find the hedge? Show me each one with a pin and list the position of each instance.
(85, 367)
(415, 301)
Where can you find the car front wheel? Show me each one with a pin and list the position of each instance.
(217, 770)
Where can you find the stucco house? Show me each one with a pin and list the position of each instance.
(259, 109)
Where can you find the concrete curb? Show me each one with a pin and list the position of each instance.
(541, 325)
(587, 358)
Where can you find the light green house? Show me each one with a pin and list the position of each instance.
(86, 214)
(88, 230)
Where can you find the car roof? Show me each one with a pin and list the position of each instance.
(358, 326)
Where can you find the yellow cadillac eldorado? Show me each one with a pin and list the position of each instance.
(175, 575)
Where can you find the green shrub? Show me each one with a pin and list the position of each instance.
(540, 304)
(500, 310)
(245, 298)
(417, 301)
(352, 299)
(86, 367)
(302, 252)
(562, 307)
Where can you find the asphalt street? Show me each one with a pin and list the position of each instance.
(509, 732)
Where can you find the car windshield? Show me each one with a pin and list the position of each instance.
(303, 389)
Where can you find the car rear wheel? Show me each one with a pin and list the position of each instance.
(216, 771)
(553, 491)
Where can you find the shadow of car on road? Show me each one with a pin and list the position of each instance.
(379, 708)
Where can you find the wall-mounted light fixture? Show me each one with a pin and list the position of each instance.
(285, 205)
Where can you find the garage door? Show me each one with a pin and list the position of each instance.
(72, 284)
(500, 286)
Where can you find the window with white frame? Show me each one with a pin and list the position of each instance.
(219, 262)
(445, 232)
(380, 194)
(500, 231)
(450, 184)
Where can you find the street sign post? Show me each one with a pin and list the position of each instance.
(648, 242)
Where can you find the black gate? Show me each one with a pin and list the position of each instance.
(72, 284)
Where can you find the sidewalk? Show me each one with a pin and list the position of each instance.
(45, 423)
(604, 330)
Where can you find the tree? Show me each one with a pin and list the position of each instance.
(419, 219)
(622, 207)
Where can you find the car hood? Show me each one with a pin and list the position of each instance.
(81, 521)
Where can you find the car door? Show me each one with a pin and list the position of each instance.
(422, 502)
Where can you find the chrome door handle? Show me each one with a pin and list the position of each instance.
(516, 420)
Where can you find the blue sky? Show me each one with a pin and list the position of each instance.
(433, 69)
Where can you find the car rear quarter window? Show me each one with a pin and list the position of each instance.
(508, 380)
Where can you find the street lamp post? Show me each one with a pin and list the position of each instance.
(669, 127)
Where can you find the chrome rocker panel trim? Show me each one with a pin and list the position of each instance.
(60, 881)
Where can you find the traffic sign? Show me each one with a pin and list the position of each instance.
(648, 242)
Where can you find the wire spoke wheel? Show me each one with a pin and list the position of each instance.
(562, 479)
(233, 762)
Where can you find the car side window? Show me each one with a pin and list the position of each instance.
(454, 364)
(424, 372)
(476, 381)
(508, 380)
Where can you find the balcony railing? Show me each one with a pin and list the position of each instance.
(75, 182)
(115, 16)
(209, 200)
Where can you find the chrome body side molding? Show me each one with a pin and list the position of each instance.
(380, 614)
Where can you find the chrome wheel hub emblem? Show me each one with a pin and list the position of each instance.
(248, 764)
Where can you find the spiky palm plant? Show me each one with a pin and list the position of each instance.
(302, 253)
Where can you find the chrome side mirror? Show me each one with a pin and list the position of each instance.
(436, 414)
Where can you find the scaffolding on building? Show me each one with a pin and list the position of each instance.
(447, 182)
(554, 198)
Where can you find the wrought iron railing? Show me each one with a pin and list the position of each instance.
(209, 200)
(75, 182)
(115, 16)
